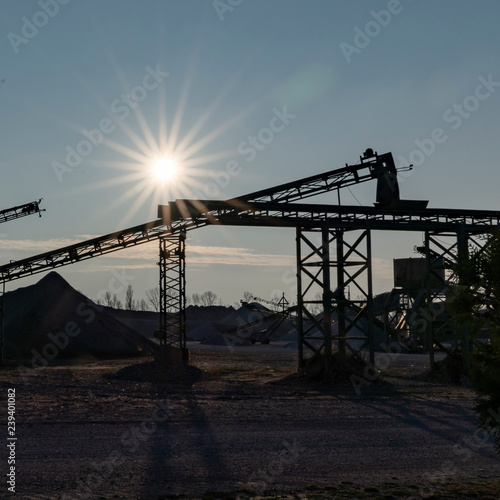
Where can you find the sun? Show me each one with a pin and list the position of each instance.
(162, 159)
(164, 168)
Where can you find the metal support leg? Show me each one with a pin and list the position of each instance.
(2, 324)
(312, 295)
(429, 333)
(340, 292)
(463, 252)
(326, 297)
(442, 250)
(172, 332)
(369, 299)
(314, 289)
(300, 300)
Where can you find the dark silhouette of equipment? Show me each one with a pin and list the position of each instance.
(282, 303)
(255, 209)
(5, 216)
(21, 211)
(340, 250)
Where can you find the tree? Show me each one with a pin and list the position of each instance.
(129, 298)
(143, 305)
(208, 298)
(476, 305)
(195, 298)
(153, 297)
(248, 296)
(111, 300)
(108, 299)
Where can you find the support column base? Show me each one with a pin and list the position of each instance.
(168, 355)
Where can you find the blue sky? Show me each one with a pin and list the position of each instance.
(383, 74)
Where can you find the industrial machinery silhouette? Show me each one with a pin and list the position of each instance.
(319, 229)
(21, 211)
(7, 215)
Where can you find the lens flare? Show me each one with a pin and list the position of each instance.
(164, 169)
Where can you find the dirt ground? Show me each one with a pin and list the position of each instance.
(239, 424)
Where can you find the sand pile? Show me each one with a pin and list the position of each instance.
(207, 313)
(201, 321)
(204, 321)
(143, 322)
(150, 371)
(51, 319)
(225, 340)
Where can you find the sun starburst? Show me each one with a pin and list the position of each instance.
(161, 162)
(164, 168)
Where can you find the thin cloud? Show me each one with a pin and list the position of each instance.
(38, 246)
(195, 254)
(146, 256)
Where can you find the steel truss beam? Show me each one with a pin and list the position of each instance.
(373, 167)
(204, 212)
(172, 265)
(21, 211)
(191, 214)
(352, 262)
(84, 250)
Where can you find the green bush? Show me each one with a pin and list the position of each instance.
(476, 305)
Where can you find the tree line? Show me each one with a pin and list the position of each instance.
(152, 300)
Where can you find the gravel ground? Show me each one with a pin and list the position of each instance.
(238, 420)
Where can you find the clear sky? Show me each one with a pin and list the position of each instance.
(92, 92)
